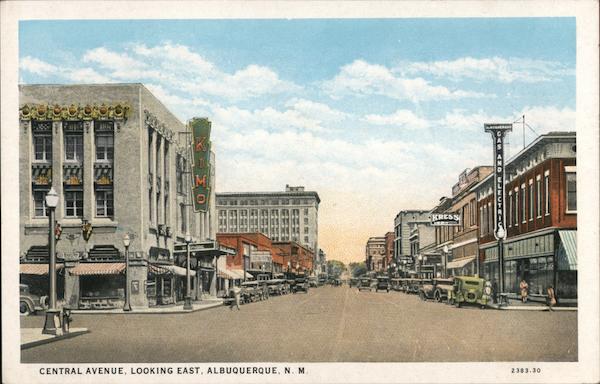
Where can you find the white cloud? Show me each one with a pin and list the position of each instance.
(402, 118)
(319, 111)
(85, 75)
(37, 66)
(361, 79)
(495, 69)
(111, 60)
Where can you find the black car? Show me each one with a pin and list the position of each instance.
(383, 283)
(300, 284)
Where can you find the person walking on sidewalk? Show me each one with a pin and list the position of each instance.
(524, 290)
(236, 292)
(551, 297)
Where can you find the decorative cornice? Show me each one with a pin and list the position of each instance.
(57, 112)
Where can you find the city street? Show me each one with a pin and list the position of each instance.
(329, 324)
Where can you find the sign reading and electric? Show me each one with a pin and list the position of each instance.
(201, 168)
(445, 219)
(498, 132)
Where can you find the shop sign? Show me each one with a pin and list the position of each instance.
(498, 132)
(261, 257)
(445, 219)
(201, 167)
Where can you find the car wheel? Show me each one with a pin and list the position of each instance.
(437, 296)
(24, 308)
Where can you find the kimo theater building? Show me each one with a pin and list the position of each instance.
(541, 219)
(120, 163)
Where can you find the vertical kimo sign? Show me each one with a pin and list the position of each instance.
(498, 132)
(201, 182)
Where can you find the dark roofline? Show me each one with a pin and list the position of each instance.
(277, 193)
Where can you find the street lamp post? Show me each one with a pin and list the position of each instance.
(187, 305)
(445, 259)
(126, 242)
(52, 325)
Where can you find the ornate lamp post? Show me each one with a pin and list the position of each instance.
(126, 242)
(187, 305)
(52, 325)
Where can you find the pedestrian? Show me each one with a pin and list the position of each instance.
(236, 292)
(551, 297)
(524, 290)
(495, 291)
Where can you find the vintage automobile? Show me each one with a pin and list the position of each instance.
(436, 289)
(366, 283)
(28, 302)
(276, 286)
(300, 284)
(383, 283)
(412, 285)
(470, 290)
(253, 291)
(313, 282)
(354, 282)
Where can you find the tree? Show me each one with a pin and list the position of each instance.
(357, 269)
(335, 268)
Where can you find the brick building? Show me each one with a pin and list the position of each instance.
(541, 218)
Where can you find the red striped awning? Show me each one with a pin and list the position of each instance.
(88, 269)
(158, 269)
(36, 269)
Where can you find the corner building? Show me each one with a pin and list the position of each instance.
(119, 161)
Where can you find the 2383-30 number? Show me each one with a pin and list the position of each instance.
(526, 370)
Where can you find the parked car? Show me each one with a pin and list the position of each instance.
(28, 302)
(366, 283)
(253, 291)
(313, 282)
(412, 285)
(301, 284)
(470, 290)
(436, 289)
(354, 282)
(383, 283)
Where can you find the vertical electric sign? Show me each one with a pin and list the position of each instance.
(201, 182)
(498, 132)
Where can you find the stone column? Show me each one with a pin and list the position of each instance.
(152, 168)
(57, 164)
(88, 170)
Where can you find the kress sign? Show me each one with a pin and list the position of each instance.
(201, 167)
(445, 219)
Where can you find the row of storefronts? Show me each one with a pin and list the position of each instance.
(541, 223)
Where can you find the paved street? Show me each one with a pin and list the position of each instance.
(326, 325)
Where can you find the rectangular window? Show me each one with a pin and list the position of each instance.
(104, 147)
(42, 147)
(571, 192)
(531, 200)
(150, 208)
(509, 210)
(547, 192)
(490, 218)
(183, 216)
(523, 204)
(104, 203)
(39, 203)
(150, 134)
(104, 140)
(538, 194)
(73, 203)
(480, 220)
(73, 147)
(516, 212)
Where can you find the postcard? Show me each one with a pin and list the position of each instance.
(299, 192)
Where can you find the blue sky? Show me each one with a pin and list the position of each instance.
(377, 115)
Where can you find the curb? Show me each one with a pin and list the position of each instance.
(53, 339)
(531, 308)
(143, 312)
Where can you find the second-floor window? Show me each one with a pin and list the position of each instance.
(42, 147)
(571, 192)
(104, 203)
(104, 147)
(39, 202)
(74, 203)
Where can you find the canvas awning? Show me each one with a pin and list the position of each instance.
(567, 251)
(158, 269)
(459, 263)
(177, 270)
(36, 269)
(90, 269)
(229, 274)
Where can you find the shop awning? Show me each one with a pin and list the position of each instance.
(89, 269)
(567, 251)
(177, 270)
(36, 269)
(158, 269)
(459, 263)
(229, 274)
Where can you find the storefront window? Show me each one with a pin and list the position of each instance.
(571, 192)
(102, 286)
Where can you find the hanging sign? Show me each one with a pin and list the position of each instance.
(201, 167)
(445, 219)
(498, 132)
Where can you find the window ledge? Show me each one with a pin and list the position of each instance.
(571, 212)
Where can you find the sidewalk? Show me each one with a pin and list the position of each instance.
(518, 305)
(32, 337)
(171, 309)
